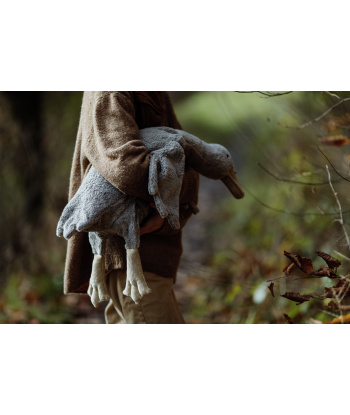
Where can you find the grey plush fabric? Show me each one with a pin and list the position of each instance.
(210, 160)
(165, 179)
(102, 210)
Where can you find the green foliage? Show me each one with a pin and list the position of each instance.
(249, 238)
(240, 243)
(33, 300)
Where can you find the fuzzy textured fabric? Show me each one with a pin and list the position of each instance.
(102, 210)
(108, 139)
(166, 172)
(210, 160)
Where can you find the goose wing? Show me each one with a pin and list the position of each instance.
(94, 206)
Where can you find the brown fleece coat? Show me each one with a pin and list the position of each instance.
(108, 140)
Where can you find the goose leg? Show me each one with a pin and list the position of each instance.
(136, 285)
(97, 287)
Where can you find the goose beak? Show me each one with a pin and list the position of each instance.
(232, 183)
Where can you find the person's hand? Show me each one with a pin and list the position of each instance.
(153, 223)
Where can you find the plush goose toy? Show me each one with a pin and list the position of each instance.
(102, 210)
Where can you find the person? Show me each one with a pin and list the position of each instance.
(108, 139)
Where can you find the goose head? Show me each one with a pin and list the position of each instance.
(211, 160)
(221, 167)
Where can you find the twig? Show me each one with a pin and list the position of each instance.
(278, 278)
(271, 95)
(343, 292)
(332, 95)
(341, 255)
(345, 127)
(332, 165)
(295, 181)
(266, 94)
(313, 164)
(329, 312)
(316, 119)
(339, 205)
(291, 213)
(315, 276)
(343, 307)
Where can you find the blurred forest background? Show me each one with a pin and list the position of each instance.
(231, 248)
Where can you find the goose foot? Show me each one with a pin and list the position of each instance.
(136, 285)
(97, 287)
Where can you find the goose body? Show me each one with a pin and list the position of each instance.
(102, 210)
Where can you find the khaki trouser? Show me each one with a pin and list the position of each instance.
(158, 307)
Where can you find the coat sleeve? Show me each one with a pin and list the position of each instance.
(114, 148)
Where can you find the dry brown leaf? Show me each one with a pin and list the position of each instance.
(341, 282)
(343, 120)
(335, 140)
(333, 122)
(289, 269)
(337, 291)
(288, 319)
(332, 306)
(331, 262)
(304, 264)
(299, 298)
(270, 287)
(325, 272)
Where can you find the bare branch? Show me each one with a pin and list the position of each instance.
(339, 205)
(316, 119)
(313, 164)
(332, 95)
(278, 278)
(343, 293)
(295, 181)
(271, 94)
(314, 276)
(332, 165)
(342, 307)
(346, 127)
(265, 93)
(291, 213)
(342, 256)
